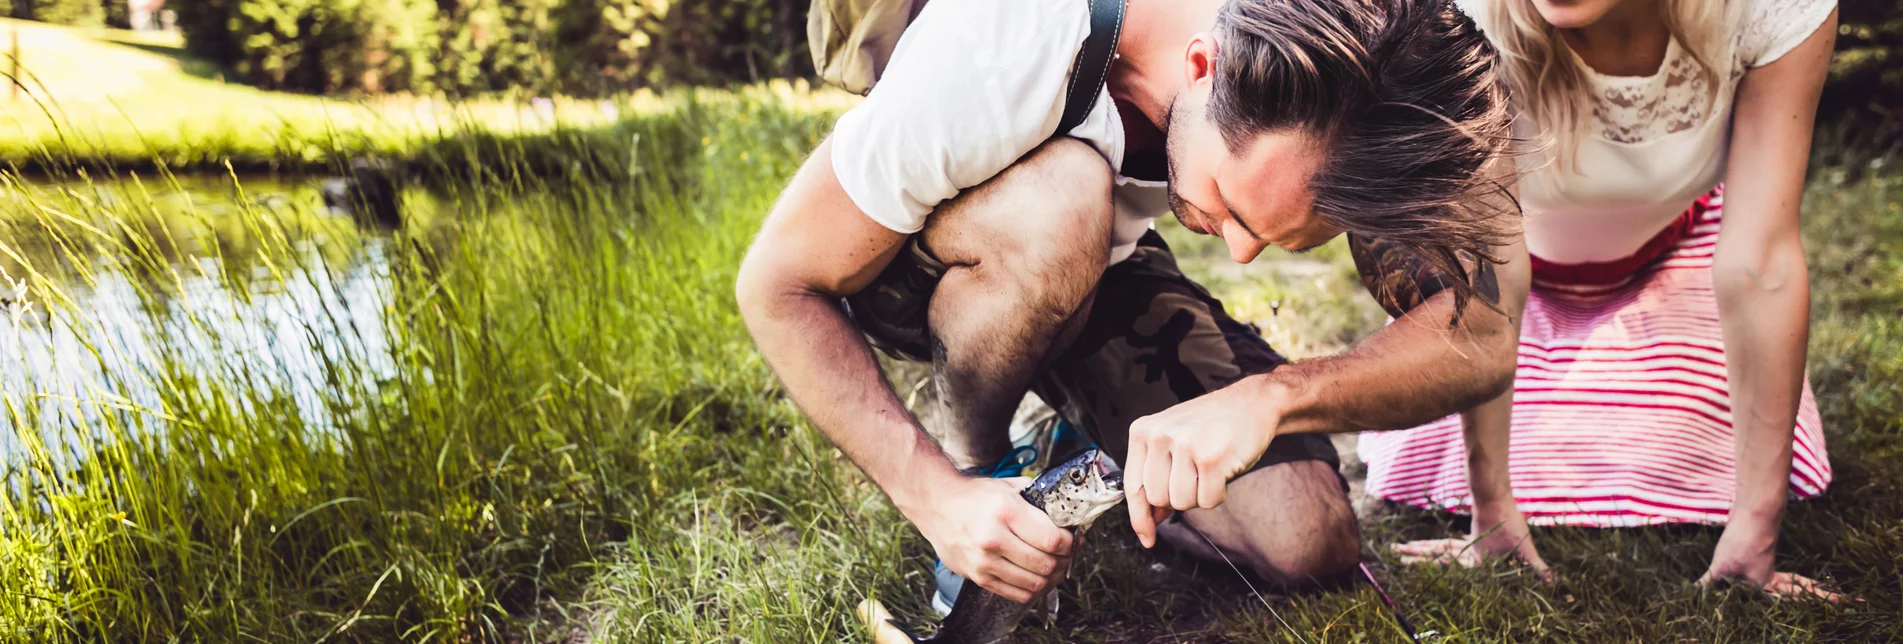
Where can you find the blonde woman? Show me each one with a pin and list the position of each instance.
(1661, 375)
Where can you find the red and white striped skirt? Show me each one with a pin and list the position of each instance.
(1621, 411)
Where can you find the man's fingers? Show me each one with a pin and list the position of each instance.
(1063, 571)
(1158, 515)
(1183, 483)
(1035, 528)
(1028, 557)
(1156, 476)
(1004, 583)
(1140, 521)
(1016, 564)
(1133, 494)
(1211, 491)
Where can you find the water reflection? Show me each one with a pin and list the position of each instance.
(259, 285)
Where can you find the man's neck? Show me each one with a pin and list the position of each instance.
(1149, 70)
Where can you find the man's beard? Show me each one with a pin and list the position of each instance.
(1170, 142)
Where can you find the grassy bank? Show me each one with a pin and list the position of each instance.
(560, 369)
(110, 101)
(532, 414)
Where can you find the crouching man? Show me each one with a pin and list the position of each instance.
(944, 220)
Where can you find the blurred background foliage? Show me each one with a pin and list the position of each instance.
(465, 47)
(599, 47)
(589, 48)
(1863, 103)
(61, 12)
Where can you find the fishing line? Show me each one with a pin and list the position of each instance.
(1392, 608)
(1245, 580)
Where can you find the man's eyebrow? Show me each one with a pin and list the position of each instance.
(1238, 217)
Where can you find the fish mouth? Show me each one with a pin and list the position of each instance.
(1112, 477)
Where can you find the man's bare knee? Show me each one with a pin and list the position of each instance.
(1331, 547)
(1047, 216)
(1290, 524)
(1334, 552)
(1022, 253)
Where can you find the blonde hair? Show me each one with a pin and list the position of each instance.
(1549, 83)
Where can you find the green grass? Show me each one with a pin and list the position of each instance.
(717, 578)
(557, 428)
(562, 361)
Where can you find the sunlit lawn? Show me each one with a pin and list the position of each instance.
(562, 429)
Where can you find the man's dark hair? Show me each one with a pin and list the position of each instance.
(1405, 100)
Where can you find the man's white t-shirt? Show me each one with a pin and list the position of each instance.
(972, 86)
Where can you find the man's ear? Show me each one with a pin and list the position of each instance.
(1199, 59)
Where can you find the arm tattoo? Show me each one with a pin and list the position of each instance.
(1400, 280)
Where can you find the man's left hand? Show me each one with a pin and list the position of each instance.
(1183, 457)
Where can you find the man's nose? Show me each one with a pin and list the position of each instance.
(1243, 248)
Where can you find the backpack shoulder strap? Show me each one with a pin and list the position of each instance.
(1093, 63)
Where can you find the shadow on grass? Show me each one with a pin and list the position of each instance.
(187, 63)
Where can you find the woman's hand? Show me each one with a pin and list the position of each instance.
(1499, 530)
(1762, 285)
(1507, 537)
(1746, 554)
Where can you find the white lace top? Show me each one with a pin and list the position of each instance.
(1655, 144)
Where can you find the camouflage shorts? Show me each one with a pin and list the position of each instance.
(1154, 339)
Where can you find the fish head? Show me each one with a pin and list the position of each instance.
(1082, 489)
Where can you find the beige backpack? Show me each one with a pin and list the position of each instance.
(851, 41)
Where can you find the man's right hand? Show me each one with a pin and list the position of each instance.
(984, 531)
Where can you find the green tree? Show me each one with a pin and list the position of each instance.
(317, 45)
(118, 13)
(630, 43)
(386, 45)
(583, 47)
(1865, 92)
(84, 13)
(608, 42)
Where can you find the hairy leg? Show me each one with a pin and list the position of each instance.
(1022, 252)
(1290, 524)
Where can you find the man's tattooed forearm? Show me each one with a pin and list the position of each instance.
(1401, 280)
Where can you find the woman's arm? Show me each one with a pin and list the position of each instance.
(1498, 527)
(1499, 530)
(1763, 293)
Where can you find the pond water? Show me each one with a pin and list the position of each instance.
(264, 285)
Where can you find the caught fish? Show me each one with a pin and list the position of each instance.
(1074, 494)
